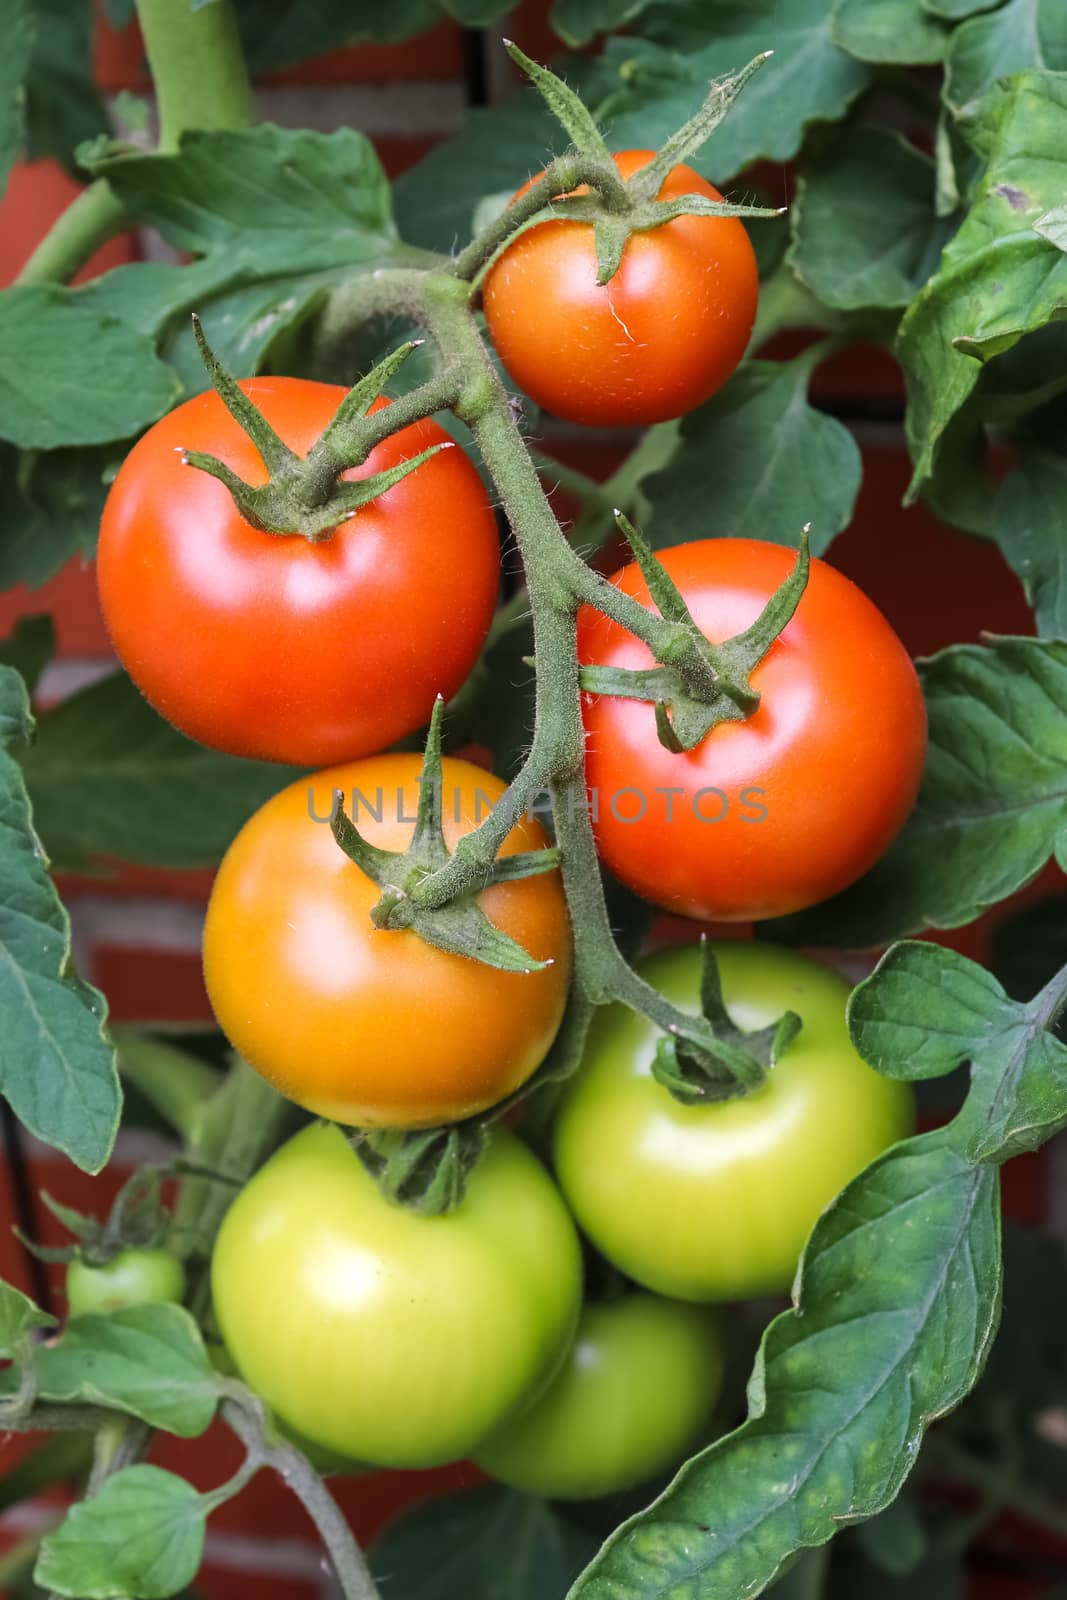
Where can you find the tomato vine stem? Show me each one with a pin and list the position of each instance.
(558, 583)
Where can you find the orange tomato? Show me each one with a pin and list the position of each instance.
(370, 1026)
(655, 341)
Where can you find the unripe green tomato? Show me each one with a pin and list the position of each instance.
(397, 1339)
(327, 1463)
(635, 1393)
(133, 1278)
(715, 1202)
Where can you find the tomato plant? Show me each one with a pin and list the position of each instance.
(773, 813)
(426, 1331)
(354, 455)
(715, 1202)
(320, 1000)
(278, 646)
(656, 341)
(638, 1386)
(133, 1278)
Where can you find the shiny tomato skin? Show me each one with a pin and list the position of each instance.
(134, 1277)
(370, 1026)
(397, 1339)
(634, 1394)
(715, 1202)
(268, 645)
(655, 341)
(812, 788)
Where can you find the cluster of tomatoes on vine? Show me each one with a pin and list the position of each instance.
(375, 1333)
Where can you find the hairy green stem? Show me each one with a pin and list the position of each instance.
(560, 177)
(348, 1560)
(558, 583)
(96, 216)
(197, 67)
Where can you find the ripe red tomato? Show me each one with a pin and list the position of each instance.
(769, 815)
(655, 341)
(365, 1025)
(270, 646)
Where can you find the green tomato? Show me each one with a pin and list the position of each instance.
(635, 1393)
(715, 1202)
(133, 1278)
(397, 1339)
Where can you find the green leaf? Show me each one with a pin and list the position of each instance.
(476, 13)
(19, 35)
(579, 21)
(63, 106)
(1053, 227)
(864, 230)
(53, 500)
(68, 377)
(758, 462)
(57, 1071)
(1021, 34)
(957, 10)
(141, 1537)
(278, 33)
(898, 1301)
(147, 1360)
(496, 150)
(146, 295)
(29, 648)
(998, 279)
(990, 808)
(484, 1544)
(144, 791)
(266, 200)
(18, 1315)
(652, 84)
(888, 31)
(925, 1010)
(1029, 518)
(243, 324)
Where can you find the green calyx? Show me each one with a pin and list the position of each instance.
(697, 684)
(306, 495)
(617, 209)
(460, 926)
(425, 1169)
(733, 1062)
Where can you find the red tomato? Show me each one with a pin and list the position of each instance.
(771, 814)
(655, 341)
(267, 645)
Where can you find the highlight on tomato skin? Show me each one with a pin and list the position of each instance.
(390, 1338)
(715, 1202)
(656, 341)
(375, 1027)
(275, 647)
(771, 814)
